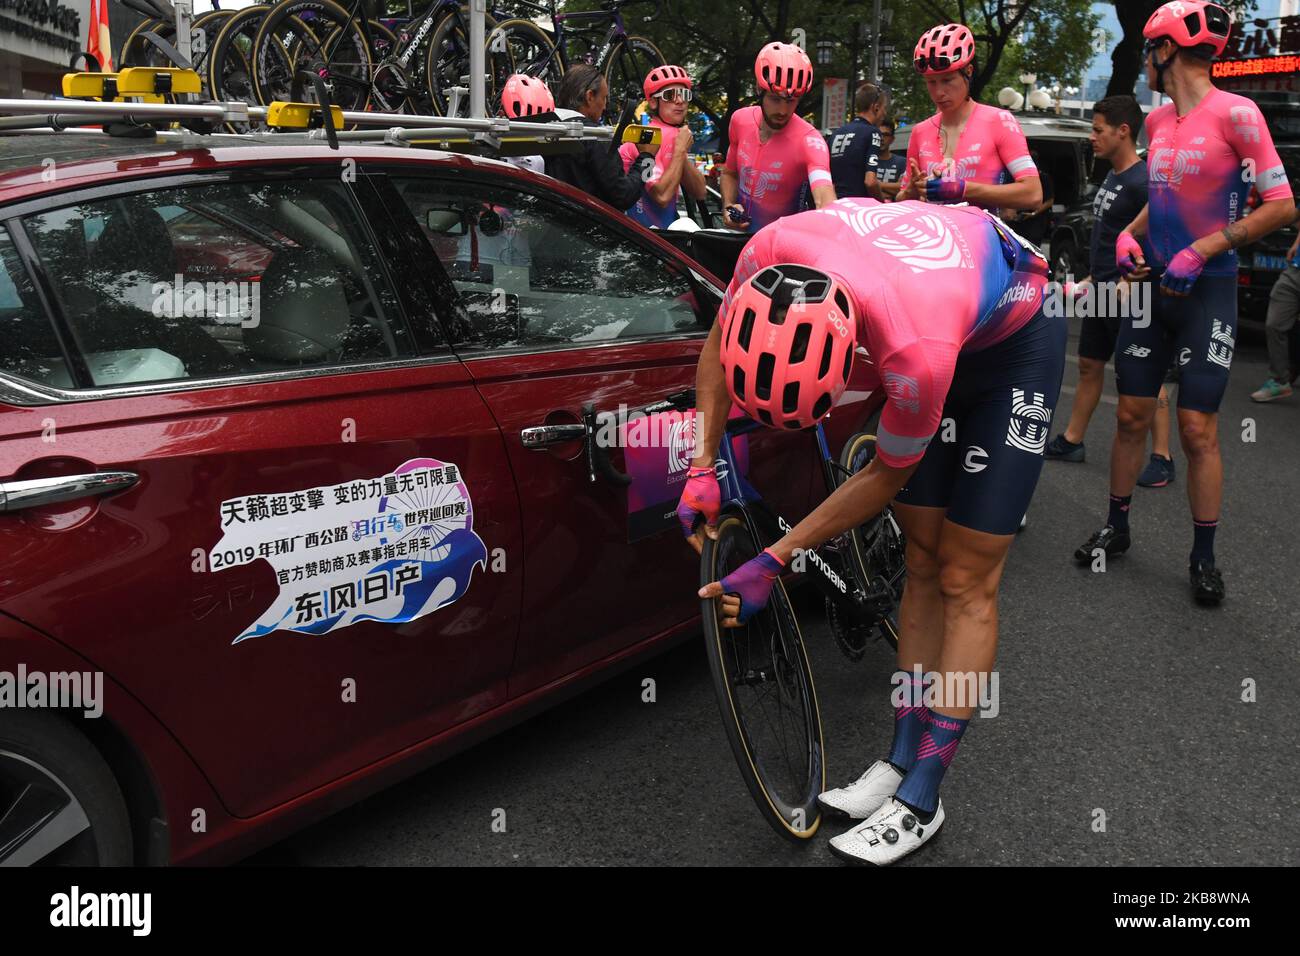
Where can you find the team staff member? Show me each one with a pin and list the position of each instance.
(1283, 307)
(856, 145)
(889, 165)
(772, 150)
(523, 97)
(1116, 125)
(866, 274)
(667, 91)
(1204, 146)
(960, 153)
(595, 168)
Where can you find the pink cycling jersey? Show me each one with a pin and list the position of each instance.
(991, 143)
(1200, 168)
(646, 211)
(772, 173)
(899, 260)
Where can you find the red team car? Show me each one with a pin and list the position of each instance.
(294, 461)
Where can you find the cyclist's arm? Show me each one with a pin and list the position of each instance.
(712, 401)
(664, 189)
(1269, 217)
(1278, 207)
(823, 194)
(890, 190)
(1026, 190)
(1025, 194)
(856, 501)
(817, 160)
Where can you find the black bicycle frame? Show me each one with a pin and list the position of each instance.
(830, 567)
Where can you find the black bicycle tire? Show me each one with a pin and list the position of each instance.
(615, 106)
(226, 39)
(134, 45)
(746, 761)
(436, 41)
(555, 68)
(336, 15)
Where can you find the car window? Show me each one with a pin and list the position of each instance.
(531, 272)
(214, 280)
(28, 346)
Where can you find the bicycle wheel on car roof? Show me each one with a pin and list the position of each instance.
(625, 72)
(311, 36)
(765, 692)
(230, 74)
(447, 62)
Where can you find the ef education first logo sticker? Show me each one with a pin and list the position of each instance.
(388, 549)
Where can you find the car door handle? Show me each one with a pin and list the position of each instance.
(34, 492)
(541, 436)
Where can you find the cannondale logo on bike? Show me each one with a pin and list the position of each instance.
(425, 27)
(816, 560)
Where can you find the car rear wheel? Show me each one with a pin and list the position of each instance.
(59, 802)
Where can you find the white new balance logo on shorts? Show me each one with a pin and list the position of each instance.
(1137, 351)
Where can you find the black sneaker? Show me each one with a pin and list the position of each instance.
(1059, 449)
(1113, 542)
(1158, 472)
(1207, 583)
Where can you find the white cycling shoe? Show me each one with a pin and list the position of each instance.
(864, 796)
(889, 834)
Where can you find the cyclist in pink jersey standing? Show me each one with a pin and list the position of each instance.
(667, 91)
(806, 291)
(773, 151)
(960, 153)
(1207, 149)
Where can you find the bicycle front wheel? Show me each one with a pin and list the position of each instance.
(315, 36)
(447, 64)
(625, 72)
(765, 691)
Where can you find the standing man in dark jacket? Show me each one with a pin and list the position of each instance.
(856, 146)
(596, 169)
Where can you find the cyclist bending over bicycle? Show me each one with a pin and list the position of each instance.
(947, 301)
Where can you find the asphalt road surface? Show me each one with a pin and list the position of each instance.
(1120, 705)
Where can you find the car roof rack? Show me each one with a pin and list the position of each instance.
(143, 102)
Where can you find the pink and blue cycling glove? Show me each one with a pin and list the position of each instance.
(1183, 271)
(701, 496)
(1127, 253)
(753, 581)
(940, 189)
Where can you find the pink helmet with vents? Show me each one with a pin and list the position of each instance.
(524, 96)
(662, 77)
(783, 69)
(1190, 23)
(787, 345)
(943, 49)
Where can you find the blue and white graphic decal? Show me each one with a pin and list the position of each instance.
(388, 549)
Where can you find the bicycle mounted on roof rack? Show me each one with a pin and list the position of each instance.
(158, 102)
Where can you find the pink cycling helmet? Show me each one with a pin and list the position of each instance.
(525, 95)
(787, 345)
(783, 69)
(943, 49)
(662, 77)
(1190, 23)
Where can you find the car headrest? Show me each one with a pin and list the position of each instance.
(303, 309)
(135, 239)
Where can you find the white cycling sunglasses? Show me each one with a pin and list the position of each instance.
(671, 94)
